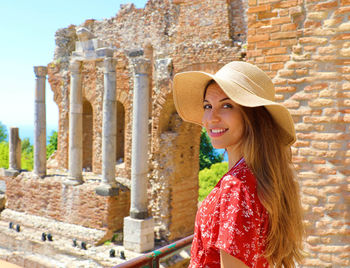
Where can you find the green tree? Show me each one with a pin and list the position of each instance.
(207, 154)
(209, 177)
(4, 154)
(27, 154)
(3, 132)
(52, 146)
(26, 146)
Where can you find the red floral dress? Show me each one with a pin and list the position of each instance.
(232, 219)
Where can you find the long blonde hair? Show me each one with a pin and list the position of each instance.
(270, 160)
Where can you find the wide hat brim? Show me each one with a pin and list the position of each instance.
(188, 90)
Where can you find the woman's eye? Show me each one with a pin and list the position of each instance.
(227, 105)
(206, 106)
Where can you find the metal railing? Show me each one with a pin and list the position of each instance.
(151, 260)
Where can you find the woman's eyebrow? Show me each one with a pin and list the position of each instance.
(224, 99)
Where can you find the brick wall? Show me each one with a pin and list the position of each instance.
(77, 205)
(304, 46)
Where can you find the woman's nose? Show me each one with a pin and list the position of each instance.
(213, 116)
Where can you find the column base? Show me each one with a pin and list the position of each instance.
(9, 172)
(138, 234)
(107, 190)
(43, 175)
(139, 215)
(70, 181)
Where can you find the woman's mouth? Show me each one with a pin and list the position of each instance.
(217, 132)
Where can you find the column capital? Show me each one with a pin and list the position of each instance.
(141, 66)
(40, 71)
(75, 66)
(109, 64)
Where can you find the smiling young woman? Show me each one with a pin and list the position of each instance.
(252, 217)
(223, 121)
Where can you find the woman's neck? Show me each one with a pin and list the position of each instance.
(234, 155)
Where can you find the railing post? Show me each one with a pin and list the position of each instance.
(152, 259)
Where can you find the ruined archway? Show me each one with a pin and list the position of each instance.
(174, 181)
(120, 137)
(87, 135)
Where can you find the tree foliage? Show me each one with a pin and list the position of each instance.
(4, 154)
(207, 154)
(52, 146)
(26, 146)
(27, 154)
(208, 178)
(3, 132)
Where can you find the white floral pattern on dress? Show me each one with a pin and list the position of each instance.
(232, 219)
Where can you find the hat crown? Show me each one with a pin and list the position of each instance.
(255, 80)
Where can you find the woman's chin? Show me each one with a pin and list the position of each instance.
(218, 146)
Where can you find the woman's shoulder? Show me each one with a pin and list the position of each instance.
(240, 176)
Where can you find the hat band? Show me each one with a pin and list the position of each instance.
(246, 83)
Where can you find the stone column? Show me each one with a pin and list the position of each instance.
(14, 149)
(75, 165)
(138, 228)
(108, 185)
(40, 122)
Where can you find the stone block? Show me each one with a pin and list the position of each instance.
(104, 52)
(8, 172)
(2, 201)
(138, 234)
(317, 15)
(89, 45)
(325, 6)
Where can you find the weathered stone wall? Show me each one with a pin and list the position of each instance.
(304, 46)
(168, 33)
(77, 205)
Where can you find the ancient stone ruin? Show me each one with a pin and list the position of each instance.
(125, 159)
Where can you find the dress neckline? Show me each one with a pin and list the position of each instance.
(237, 163)
(240, 161)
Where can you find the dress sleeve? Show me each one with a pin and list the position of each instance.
(238, 233)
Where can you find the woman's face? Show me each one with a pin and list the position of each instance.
(222, 119)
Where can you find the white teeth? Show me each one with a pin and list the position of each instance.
(218, 130)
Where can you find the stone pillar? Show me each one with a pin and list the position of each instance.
(40, 122)
(14, 149)
(75, 164)
(108, 186)
(138, 228)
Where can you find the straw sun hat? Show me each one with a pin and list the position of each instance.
(242, 82)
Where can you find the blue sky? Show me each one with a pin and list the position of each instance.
(27, 39)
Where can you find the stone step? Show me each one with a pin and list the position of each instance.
(89, 235)
(26, 247)
(25, 259)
